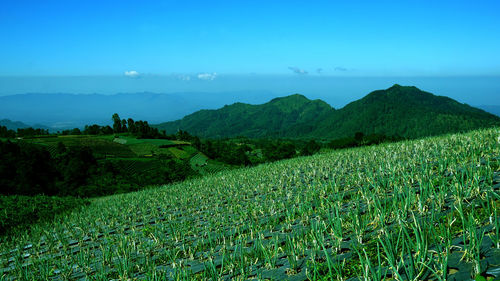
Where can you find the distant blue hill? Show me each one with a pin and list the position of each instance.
(14, 125)
(63, 111)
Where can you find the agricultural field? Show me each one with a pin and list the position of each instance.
(133, 140)
(205, 166)
(102, 147)
(136, 165)
(111, 146)
(415, 210)
(153, 147)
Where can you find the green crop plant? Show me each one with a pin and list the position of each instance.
(370, 271)
(397, 210)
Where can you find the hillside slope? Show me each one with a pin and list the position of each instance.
(293, 115)
(406, 112)
(347, 210)
(399, 110)
(13, 125)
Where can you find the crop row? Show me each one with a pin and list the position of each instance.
(414, 210)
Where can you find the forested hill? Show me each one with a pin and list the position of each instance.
(403, 111)
(281, 117)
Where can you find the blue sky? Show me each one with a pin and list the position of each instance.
(278, 47)
(339, 38)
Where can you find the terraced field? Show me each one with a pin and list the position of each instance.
(414, 210)
(102, 147)
(120, 147)
(205, 166)
(137, 165)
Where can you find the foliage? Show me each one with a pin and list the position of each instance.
(226, 151)
(310, 148)
(22, 211)
(407, 112)
(6, 133)
(140, 129)
(22, 132)
(30, 132)
(410, 210)
(27, 169)
(242, 151)
(359, 139)
(281, 117)
(97, 130)
(276, 150)
(397, 111)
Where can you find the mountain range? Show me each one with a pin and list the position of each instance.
(398, 110)
(14, 125)
(403, 111)
(67, 111)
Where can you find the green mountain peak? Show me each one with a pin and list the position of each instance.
(404, 111)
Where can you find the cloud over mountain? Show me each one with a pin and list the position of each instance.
(132, 74)
(207, 76)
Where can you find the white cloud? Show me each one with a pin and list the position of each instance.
(297, 70)
(207, 76)
(132, 74)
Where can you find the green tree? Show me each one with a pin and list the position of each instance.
(117, 124)
(131, 126)
(75, 131)
(310, 148)
(124, 125)
(358, 136)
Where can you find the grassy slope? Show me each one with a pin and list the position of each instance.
(279, 220)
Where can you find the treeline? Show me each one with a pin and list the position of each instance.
(243, 151)
(27, 169)
(359, 139)
(246, 152)
(26, 132)
(140, 129)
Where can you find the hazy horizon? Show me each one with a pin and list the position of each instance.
(233, 51)
(336, 91)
